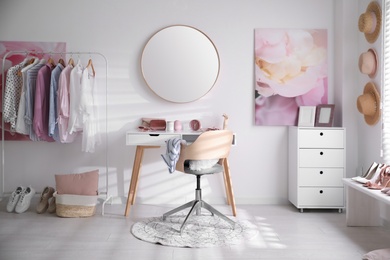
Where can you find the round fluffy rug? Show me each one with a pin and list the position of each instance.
(200, 231)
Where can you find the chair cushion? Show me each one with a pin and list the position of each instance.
(197, 165)
(214, 169)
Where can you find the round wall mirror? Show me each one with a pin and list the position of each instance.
(180, 64)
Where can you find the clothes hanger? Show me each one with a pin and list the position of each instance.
(51, 61)
(27, 61)
(71, 61)
(90, 64)
(61, 61)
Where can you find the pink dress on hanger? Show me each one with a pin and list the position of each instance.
(41, 103)
(63, 106)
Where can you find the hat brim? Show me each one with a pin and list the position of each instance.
(370, 88)
(373, 74)
(376, 9)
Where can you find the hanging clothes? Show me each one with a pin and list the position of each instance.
(63, 105)
(21, 126)
(53, 114)
(48, 102)
(75, 116)
(41, 103)
(30, 98)
(13, 87)
(88, 105)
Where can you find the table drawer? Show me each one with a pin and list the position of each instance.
(321, 177)
(321, 197)
(321, 158)
(321, 138)
(148, 139)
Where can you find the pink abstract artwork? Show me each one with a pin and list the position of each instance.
(290, 71)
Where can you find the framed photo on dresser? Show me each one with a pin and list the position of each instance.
(324, 115)
(306, 115)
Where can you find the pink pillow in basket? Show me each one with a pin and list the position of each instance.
(78, 183)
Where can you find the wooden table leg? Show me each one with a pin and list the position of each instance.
(139, 153)
(229, 187)
(225, 182)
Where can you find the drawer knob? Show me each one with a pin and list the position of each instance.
(321, 191)
(321, 134)
(321, 172)
(321, 153)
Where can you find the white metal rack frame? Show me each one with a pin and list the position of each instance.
(34, 53)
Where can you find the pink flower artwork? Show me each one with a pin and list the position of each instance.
(290, 71)
(22, 50)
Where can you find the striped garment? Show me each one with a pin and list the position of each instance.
(172, 153)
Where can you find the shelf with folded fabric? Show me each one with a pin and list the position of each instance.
(363, 204)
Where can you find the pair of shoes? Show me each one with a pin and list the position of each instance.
(373, 177)
(14, 198)
(380, 181)
(386, 189)
(52, 205)
(383, 181)
(20, 199)
(43, 204)
(371, 174)
(368, 175)
(386, 180)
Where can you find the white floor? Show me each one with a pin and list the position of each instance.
(285, 233)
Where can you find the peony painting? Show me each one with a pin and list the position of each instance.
(290, 71)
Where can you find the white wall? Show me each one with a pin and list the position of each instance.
(119, 29)
(346, 72)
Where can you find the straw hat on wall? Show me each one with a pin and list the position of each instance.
(368, 63)
(368, 104)
(370, 22)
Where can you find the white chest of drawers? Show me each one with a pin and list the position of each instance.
(316, 167)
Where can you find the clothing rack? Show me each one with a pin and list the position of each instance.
(34, 53)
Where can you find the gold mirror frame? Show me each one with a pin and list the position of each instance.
(180, 64)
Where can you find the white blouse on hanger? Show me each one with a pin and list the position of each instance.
(75, 116)
(88, 104)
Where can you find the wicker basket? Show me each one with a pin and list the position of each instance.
(75, 206)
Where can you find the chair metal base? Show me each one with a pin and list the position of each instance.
(196, 206)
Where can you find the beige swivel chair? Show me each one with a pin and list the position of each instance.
(209, 145)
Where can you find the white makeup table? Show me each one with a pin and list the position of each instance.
(156, 139)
